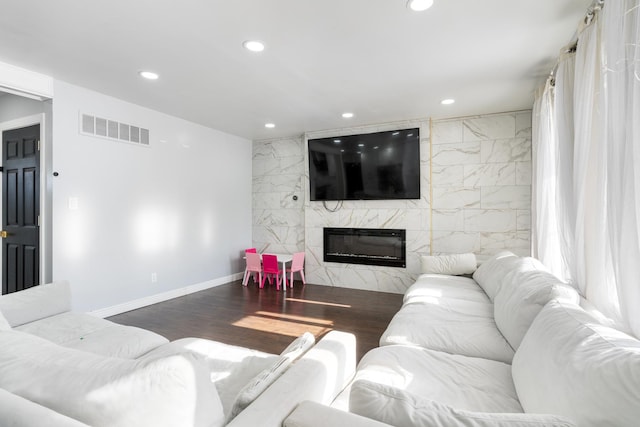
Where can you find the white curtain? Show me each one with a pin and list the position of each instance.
(586, 195)
(621, 107)
(552, 154)
(543, 240)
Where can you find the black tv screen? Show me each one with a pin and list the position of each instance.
(372, 166)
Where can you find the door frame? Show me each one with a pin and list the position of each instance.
(44, 213)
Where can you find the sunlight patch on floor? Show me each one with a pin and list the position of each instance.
(270, 322)
(306, 301)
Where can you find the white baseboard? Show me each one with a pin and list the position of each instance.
(165, 296)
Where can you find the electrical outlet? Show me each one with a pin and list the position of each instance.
(154, 277)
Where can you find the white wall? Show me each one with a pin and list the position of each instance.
(180, 208)
(15, 107)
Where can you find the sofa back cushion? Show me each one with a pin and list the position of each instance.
(525, 290)
(569, 364)
(401, 408)
(36, 303)
(104, 391)
(490, 273)
(454, 264)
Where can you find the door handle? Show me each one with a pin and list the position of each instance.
(4, 234)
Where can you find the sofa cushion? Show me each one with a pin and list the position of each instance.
(453, 326)
(570, 365)
(93, 334)
(462, 382)
(430, 286)
(527, 289)
(313, 414)
(16, 411)
(454, 264)
(229, 367)
(405, 409)
(491, 272)
(108, 391)
(36, 303)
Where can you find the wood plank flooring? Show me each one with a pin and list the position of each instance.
(267, 319)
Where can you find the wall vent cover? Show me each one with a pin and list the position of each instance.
(110, 129)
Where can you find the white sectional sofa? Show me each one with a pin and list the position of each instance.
(510, 346)
(64, 369)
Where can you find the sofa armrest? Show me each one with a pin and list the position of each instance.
(317, 376)
(16, 411)
(312, 414)
(36, 303)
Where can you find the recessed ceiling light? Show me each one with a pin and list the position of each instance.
(419, 5)
(447, 101)
(149, 75)
(347, 115)
(269, 125)
(253, 45)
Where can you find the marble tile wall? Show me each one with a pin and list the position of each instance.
(479, 201)
(278, 219)
(482, 184)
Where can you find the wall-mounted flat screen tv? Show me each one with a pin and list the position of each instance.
(372, 166)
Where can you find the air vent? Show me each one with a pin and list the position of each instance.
(110, 129)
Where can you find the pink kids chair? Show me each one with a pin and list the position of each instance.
(270, 269)
(253, 266)
(248, 251)
(297, 265)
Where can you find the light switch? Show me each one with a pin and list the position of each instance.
(73, 203)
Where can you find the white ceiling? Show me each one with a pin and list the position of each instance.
(375, 58)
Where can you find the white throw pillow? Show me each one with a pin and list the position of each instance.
(454, 264)
(569, 364)
(400, 408)
(299, 346)
(490, 273)
(4, 325)
(257, 385)
(36, 303)
(528, 288)
(105, 391)
(264, 379)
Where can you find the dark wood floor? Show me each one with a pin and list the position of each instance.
(266, 319)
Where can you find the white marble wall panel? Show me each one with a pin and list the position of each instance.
(481, 173)
(278, 220)
(487, 208)
(495, 126)
(448, 176)
(523, 221)
(523, 173)
(447, 219)
(523, 124)
(456, 197)
(493, 220)
(518, 242)
(489, 174)
(506, 150)
(506, 197)
(452, 242)
(456, 154)
(447, 132)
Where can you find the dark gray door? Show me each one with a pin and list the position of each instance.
(20, 209)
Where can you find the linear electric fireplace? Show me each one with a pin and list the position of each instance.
(371, 246)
